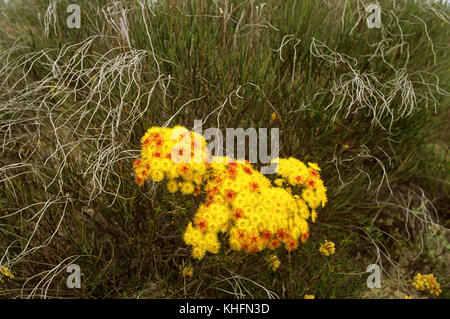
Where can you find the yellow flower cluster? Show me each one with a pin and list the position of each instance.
(273, 262)
(298, 175)
(327, 248)
(239, 200)
(427, 283)
(5, 271)
(176, 154)
(309, 297)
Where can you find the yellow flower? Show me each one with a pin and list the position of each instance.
(427, 283)
(198, 252)
(313, 215)
(52, 89)
(5, 271)
(408, 297)
(172, 186)
(327, 248)
(187, 188)
(157, 175)
(279, 182)
(309, 297)
(273, 262)
(314, 166)
(274, 116)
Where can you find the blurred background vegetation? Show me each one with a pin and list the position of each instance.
(369, 105)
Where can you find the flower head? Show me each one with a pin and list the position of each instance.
(327, 248)
(314, 166)
(273, 262)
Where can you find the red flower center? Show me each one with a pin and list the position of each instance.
(274, 244)
(281, 234)
(237, 213)
(159, 142)
(305, 237)
(254, 186)
(232, 171)
(202, 224)
(266, 235)
(313, 173)
(253, 239)
(230, 194)
(136, 163)
(184, 169)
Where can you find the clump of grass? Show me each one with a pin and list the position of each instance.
(366, 104)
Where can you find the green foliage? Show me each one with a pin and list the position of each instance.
(75, 102)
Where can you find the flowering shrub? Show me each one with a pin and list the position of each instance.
(427, 283)
(254, 211)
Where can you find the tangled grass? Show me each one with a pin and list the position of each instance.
(369, 105)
